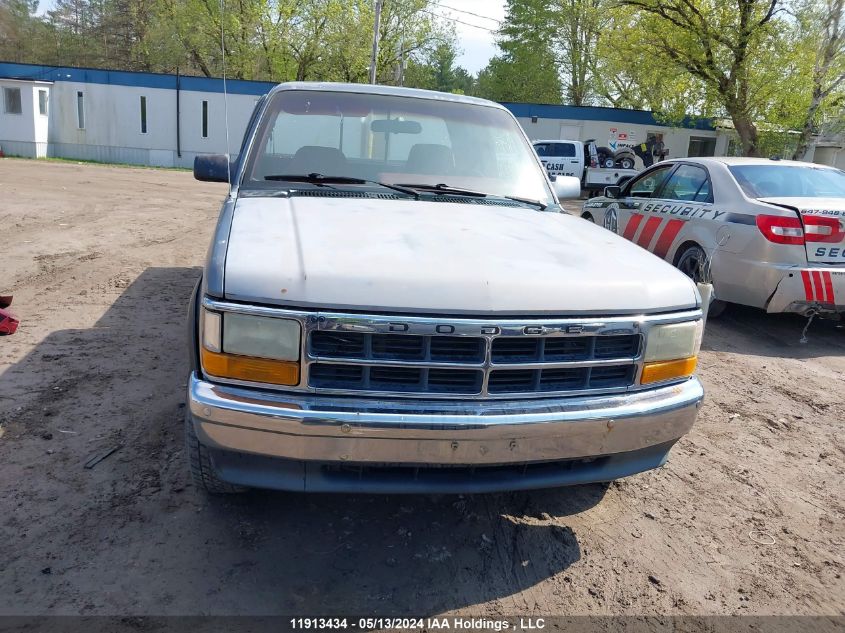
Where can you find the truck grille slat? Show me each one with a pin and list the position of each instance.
(352, 361)
(616, 346)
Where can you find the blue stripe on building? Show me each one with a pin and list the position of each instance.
(242, 87)
(128, 78)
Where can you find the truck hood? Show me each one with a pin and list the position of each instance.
(440, 257)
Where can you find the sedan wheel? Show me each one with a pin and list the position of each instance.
(694, 264)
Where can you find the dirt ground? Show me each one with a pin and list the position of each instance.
(746, 517)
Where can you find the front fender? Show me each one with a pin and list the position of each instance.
(192, 328)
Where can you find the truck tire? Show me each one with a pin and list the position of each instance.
(690, 262)
(626, 163)
(202, 471)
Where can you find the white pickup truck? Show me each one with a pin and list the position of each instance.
(393, 301)
(562, 157)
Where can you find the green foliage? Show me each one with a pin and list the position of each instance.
(436, 70)
(278, 40)
(527, 68)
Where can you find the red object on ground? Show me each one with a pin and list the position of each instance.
(8, 321)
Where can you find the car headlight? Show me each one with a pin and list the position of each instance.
(671, 351)
(252, 348)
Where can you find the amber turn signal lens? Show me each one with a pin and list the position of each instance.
(668, 369)
(274, 372)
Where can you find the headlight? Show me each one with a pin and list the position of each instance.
(671, 351)
(252, 348)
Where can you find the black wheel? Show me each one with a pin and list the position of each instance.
(693, 263)
(609, 163)
(589, 218)
(201, 470)
(626, 163)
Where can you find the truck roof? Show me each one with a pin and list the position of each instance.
(394, 91)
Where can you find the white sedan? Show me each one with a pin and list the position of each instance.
(767, 233)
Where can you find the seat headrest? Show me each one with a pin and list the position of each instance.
(430, 158)
(310, 159)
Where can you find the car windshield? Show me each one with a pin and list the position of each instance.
(393, 140)
(789, 181)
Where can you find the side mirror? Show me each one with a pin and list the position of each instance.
(566, 187)
(212, 168)
(613, 191)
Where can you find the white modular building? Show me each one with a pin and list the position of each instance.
(166, 120)
(24, 117)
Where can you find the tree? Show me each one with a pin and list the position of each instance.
(526, 70)
(721, 44)
(577, 27)
(20, 30)
(437, 70)
(823, 24)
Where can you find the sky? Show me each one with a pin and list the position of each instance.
(478, 44)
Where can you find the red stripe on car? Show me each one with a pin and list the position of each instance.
(817, 285)
(808, 288)
(631, 227)
(667, 236)
(828, 288)
(649, 230)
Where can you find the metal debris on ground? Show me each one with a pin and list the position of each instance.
(96, 459)
(804, 338)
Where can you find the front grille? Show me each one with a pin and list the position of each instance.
(560, 379)
(397, 379)
(445, 364)
(400, 347)
(520, 349)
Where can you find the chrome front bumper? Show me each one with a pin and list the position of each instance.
(345, 430)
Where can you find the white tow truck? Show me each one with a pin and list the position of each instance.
(563, 157)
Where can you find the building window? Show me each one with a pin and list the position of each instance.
(12, 99)
(702, 146)
(80, 110)
(205, 119)
(42, 102)
(143, 115)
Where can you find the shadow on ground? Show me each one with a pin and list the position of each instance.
(744, 330)
(133, 536)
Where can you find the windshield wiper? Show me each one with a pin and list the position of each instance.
(445, 189)
(320, 179)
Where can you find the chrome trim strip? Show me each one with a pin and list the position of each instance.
(486, 328)
(371, 362)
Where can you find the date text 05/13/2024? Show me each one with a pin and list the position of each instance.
(455, 623)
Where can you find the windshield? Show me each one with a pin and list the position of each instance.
(789, 181)
(394, 140)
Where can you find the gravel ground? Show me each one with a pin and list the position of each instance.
(746, 517)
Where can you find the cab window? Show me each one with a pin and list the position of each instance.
(566, 150)
(563, 150)
(689, 183)
(647, 184)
